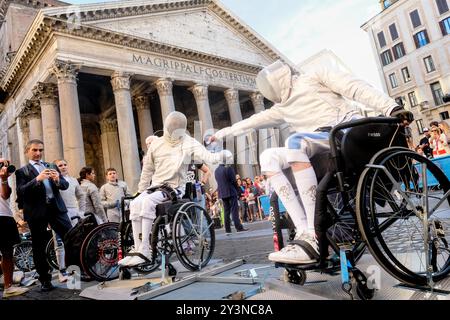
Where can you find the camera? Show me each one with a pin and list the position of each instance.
(10, 168)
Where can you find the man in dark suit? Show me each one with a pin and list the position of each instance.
(38, 185)
(228, 191)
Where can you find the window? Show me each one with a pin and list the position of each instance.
(393, 79)
(393, 31)
(381, 39)
(429, 64)
(406, 75)
(421, 39)
(445, 26)
(437, 93)
(399, 51)
(444, 115)
(412, 99)
(415, 18)
(442, 6)
(420, 126)
(386, 57)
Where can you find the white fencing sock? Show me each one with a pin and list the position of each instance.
(147, 225)
(286, 193)
(136, 225)
(306, 181)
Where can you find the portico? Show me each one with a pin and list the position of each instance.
(99, 88)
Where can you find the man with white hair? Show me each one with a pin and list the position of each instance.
(309, 103)
(165, 163)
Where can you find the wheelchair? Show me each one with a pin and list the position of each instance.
(182, 227)
(376, 194)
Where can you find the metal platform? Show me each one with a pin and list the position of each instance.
(240, 281)
(329, 287)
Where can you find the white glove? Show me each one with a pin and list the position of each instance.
(219, 135)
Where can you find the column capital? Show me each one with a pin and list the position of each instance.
(65, 71)
(142, 102)
(200, 91)
(164, 87)
(108, 125)
(232, 96)
(48, 91)
(32, 109)
(120, 80)
(257, 99)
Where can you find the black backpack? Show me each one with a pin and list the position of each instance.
(75, 238)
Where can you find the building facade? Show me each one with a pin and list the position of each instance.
(410, 39)
(93, 81)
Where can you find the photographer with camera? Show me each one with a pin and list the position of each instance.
(9, 236)
(38, 185)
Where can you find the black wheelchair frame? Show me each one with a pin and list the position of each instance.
(175, 222)
(336, 184)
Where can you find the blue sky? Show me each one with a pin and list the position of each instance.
(301, 28)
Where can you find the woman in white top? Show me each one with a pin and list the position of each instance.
(74, 197)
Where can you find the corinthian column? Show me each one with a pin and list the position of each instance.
(164, 87)
(142, 104)
(32, 113)
(266, 136)
(72, 134)
(111, 145)
(127, 132)
(204, 112)
(46, 93)
(243, 147)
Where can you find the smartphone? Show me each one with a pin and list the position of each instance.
(51, 166)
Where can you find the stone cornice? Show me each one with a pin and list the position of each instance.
(36, 4)
(44, 27)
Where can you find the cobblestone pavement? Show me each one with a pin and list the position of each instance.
(253, 246)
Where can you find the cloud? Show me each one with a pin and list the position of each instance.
(333, 25)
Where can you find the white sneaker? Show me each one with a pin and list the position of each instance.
(136, 260)
(124, 261)
(294, 253)
(14, 291)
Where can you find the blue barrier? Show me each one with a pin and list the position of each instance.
(265, 205)
(443, 163)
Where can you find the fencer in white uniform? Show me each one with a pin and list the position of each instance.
(307, 101)
(166, 162)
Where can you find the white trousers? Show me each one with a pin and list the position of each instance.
(144, 206)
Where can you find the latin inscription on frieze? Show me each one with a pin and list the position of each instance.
(166, 64)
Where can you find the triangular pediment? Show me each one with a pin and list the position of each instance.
(198, 30)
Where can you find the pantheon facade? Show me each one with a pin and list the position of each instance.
(93, 81)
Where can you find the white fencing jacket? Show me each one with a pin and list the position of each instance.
(166, 162)
(317, 99)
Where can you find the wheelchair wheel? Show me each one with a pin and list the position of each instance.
(23, 256)
(392, 219)
(295, 276)
(99, 252)
(50, 253)
(193, 236)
